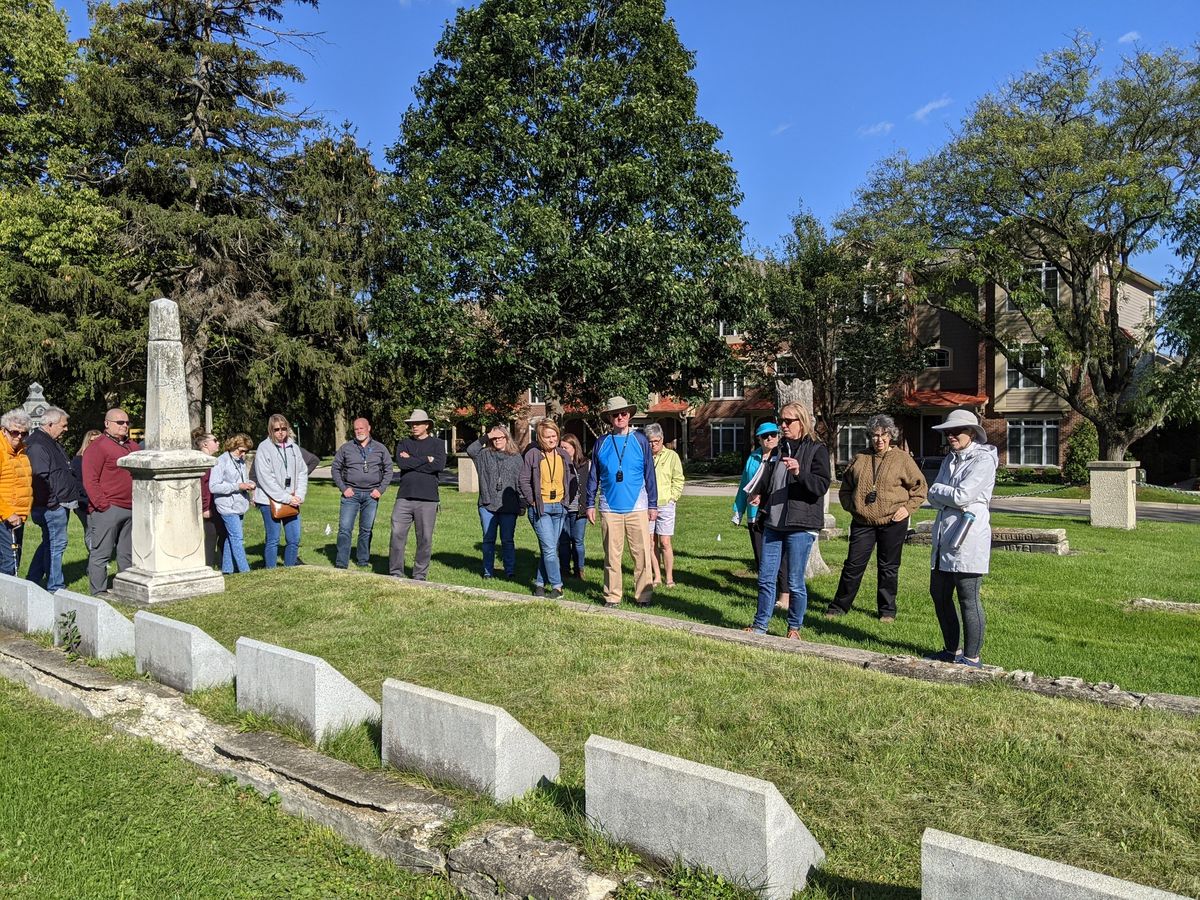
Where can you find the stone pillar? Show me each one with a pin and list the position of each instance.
(35, 404)
(468, 475)
(1113, 494)
(168, 529)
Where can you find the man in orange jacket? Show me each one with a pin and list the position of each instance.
(16, 487)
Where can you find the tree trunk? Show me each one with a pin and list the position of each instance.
(341, 427)
(193, 375)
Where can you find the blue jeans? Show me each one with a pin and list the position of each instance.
(291, 531)
(548, 528)
(570, 545)
(799, 544)
(506, 523)
(10, 547)
(47, 559)
(233, 554)
(363, 506)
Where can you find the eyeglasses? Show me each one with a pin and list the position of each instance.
(788, 421)
(16, 432)
(281, 428)
(773, 436)
(117, 421)
(879, 437)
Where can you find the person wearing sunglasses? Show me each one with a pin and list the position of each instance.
(498, 463)
(110, 495)
(790, 488)
(16, 487)
(280, 485)
(768, 435)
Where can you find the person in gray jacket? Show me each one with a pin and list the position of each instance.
(362, 471)
(962, 535)
(280, 475)
(499, 468)
(229, 483)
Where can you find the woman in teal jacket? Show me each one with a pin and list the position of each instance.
(768, 441)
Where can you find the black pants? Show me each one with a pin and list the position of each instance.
(756, 539)
(863, 539)
(214, 540)
(942, 586)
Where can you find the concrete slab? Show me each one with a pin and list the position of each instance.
(298, 688)
(670, 808)
(953, 867)
(24, 606)
(474, 745)
(179, 654)
(103, 632)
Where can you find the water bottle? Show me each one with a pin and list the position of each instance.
(964, 526)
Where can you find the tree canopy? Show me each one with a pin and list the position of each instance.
(1072, 173)
(563, 216)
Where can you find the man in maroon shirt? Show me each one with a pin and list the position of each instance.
(110, 490)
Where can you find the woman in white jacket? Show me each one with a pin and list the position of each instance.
(962, 535)
(229, 484)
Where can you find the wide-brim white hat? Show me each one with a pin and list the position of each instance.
(963, 418)
(615, 405)
(418, 415)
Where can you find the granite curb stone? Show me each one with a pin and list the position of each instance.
(671, 808)
(103, 632)
(953, 867)
(24, 606)
(474, 745)
(299, 688)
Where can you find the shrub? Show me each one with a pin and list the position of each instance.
(1082, 447)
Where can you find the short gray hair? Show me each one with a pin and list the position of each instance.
(53, 414)
(652, 430)
(883, 423)
(16, 418)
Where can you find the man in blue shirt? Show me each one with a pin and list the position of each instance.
(622, 472)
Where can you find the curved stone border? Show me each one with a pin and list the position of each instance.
(1165, 605)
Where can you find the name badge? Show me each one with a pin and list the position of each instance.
(553, 494)
(620, 476)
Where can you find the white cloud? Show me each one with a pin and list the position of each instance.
(877, 130)
(1129, 37)
(932, 106)
(780, 129)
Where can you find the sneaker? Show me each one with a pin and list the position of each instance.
(539, 590)
(794, 634)
(833, 613)
(963, 661)
(887, 619)
(749, 629)
(556, 593)
(946, 656)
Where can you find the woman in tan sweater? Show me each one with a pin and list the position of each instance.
(880, 490)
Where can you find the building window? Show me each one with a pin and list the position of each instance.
(727, 436)
(1033, 442)
(1042, 277)
(786, 368)
(727, 329)
(1032, 357)
(937, 358)
(851, 439)
(537, 394)
(732, 387)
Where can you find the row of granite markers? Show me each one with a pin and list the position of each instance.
(665, 807)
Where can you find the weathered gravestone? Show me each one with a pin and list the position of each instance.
(671, 808)
(1020, 540)
(1113, 501)
(474, 745)
(24, 606)
(103, 632)
(178, 654)
(953, 868)
(168, 530)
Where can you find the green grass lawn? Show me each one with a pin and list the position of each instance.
(866, 760)
(1051, 615)
(1083, 492)
(86, 813)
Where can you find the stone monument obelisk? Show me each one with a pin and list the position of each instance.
(168, 530)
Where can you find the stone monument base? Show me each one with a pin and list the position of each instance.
(136, 585)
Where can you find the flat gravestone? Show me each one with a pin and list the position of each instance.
(298, 688)
(954, 867)
(24, 606)
(1020, 540)
(178, 654)
(103, 632)
(474, 745)
(670, 808)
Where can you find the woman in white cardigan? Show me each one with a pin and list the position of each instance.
(962, 535)
(281, 475)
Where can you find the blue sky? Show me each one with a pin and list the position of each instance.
(808, 95)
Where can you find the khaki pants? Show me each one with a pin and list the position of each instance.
(615, 528)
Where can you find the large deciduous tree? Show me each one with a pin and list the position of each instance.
(191, 119)
(563, 216)
(1083, 173)
(842, 318)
